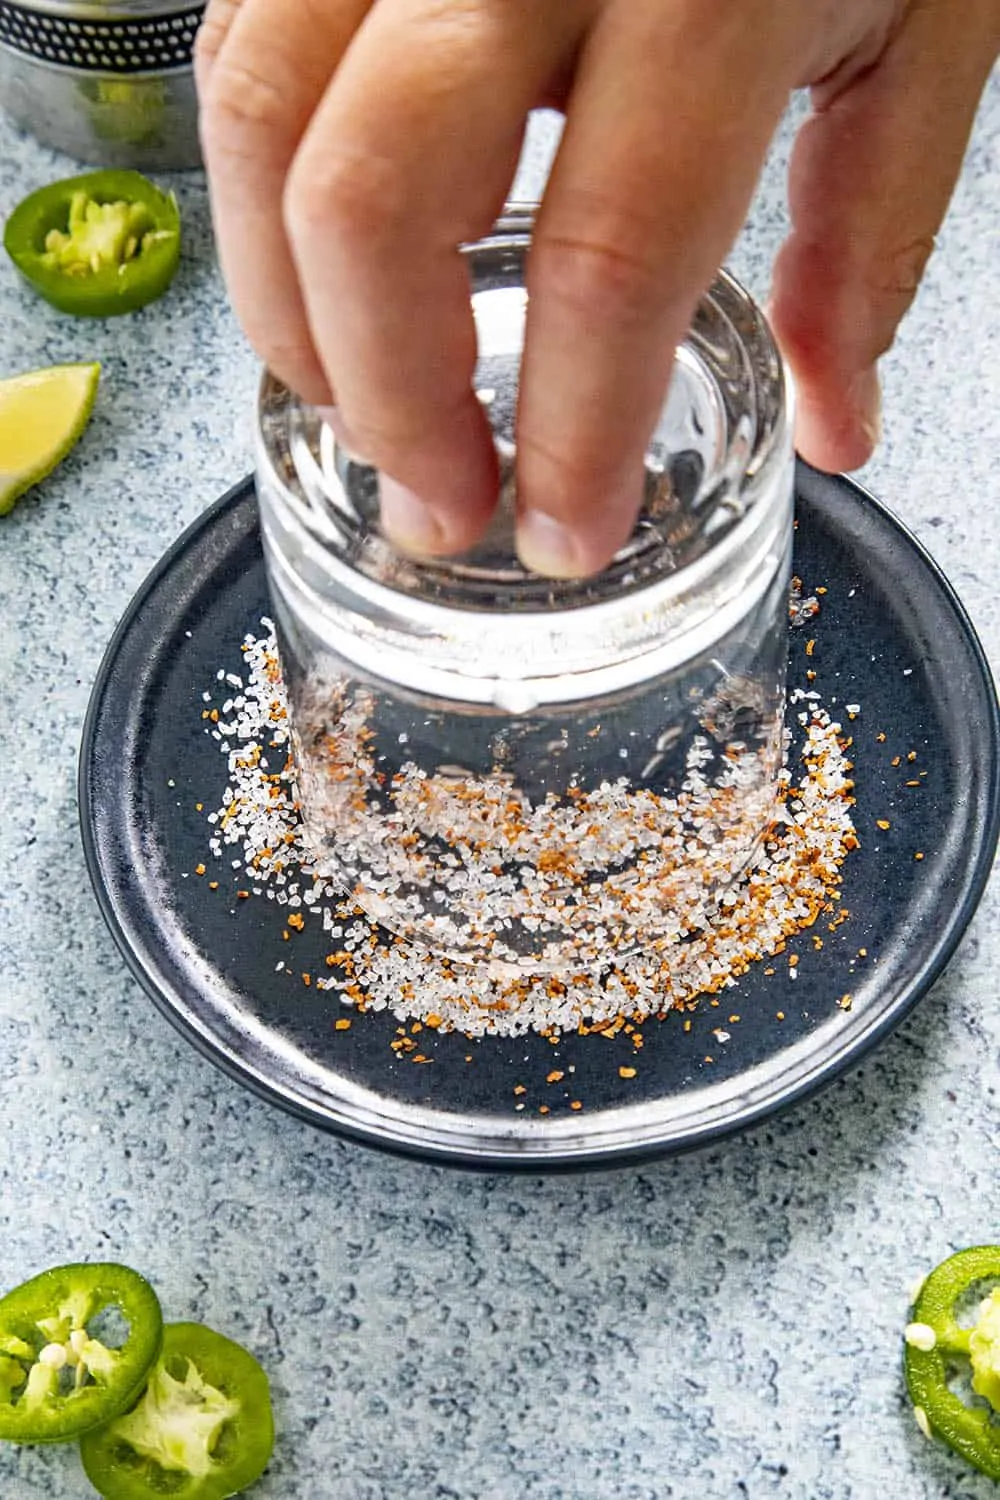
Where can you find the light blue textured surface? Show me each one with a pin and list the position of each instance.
(724, 1326)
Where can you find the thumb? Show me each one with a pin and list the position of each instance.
(871, 176)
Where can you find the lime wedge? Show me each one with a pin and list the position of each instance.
(42, 414)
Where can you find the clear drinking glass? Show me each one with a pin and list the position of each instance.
(534, 775)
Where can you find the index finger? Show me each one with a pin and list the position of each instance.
(379, 201)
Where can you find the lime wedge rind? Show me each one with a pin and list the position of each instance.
(42, 416)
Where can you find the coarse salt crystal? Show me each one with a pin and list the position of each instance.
(786, 888)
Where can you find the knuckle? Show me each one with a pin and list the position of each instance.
(815, 306)
(391, 428)
(370, 437)
(566, 476)
(338, 191)
(386, 439)
(293, 361)
(212, 33)
(242, 105)
(818, 339)
(840, 305)
(898, 272)
(598, 279)
(880, 266)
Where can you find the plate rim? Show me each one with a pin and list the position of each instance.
(515, 1157)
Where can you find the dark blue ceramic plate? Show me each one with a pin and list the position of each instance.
(891, 636)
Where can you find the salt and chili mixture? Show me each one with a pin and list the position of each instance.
(477, 868)
(476, 828)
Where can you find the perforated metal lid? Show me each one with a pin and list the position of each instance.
(90, 36)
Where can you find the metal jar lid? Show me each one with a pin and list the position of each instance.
(129, 36)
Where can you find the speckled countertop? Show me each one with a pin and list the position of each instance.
(723, 1326)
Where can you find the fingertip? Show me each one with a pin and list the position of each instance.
(838, 430)
(580, 541)
(548, 546)
(442, 527)
(409, 522)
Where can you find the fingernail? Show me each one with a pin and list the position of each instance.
(408, 521)
(546, 546)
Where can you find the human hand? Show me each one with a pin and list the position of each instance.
(352, 145)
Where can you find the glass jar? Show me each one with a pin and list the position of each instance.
(528, 774)
(107, 81)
